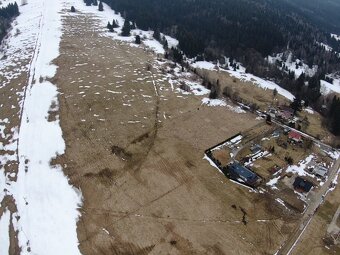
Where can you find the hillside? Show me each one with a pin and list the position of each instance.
(324, 13)
(114, 142)
(250, 31)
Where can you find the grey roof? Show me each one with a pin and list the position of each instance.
(320, 170)
(243, 171)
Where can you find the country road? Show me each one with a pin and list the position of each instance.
(314, 204)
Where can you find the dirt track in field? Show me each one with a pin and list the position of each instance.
(135, 149)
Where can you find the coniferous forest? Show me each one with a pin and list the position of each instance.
(6, 15)
(248, 31)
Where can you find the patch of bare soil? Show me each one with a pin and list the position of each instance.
(135, 149)
(316, 240)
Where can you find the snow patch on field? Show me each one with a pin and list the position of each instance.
(309, 110)
(4, 232)
(17, 45)
(156, 46)
(230, 143)
(336, 37)
(325, 46)
(203, 65)
(212, 163)
(281, 202)
(108, 15)
(47, 205)
(300, 168)
(296, 66)
(4, 3)
(213, 102)
(262, 83)
(272, 183)
(243, 76)
(327, 88)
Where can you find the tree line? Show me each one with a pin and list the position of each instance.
(244, 30)
(6, 15)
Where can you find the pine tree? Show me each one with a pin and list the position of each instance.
(126, 28)
(100, 6)
(95, 2)
(73, 9)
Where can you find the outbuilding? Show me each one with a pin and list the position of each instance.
(320, 171)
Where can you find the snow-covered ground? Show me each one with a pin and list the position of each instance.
(108, 15)
(16, 48)
(296, 66)
(300, 169)
(327, 88)
(47, 206)
(4, 3)
(243, 76)
(4, 230)
(336, 37)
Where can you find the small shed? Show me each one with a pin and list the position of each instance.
(303, 185)
(320, 171)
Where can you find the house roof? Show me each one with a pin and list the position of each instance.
(294, 135)
(301, 183)
(320, 170)
(243, 171)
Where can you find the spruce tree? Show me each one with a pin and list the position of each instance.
(100, 6)
(165, 43)
(109, 27)
(157, 35)
(73, 9)
(115, 23)
(138, 40)
(126, 28)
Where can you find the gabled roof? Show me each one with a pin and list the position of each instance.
(243, 171)
(294, 135)
(302, 184)
(320, 170)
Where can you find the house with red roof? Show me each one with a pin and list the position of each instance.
(295, 136)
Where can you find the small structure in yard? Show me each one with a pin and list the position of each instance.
(255, 148)
(320, 171)
(295, 136)
(242, 174)
(274, 169)
(302, 185)
(276, 133)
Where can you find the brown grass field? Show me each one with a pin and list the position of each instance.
(136, 152)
